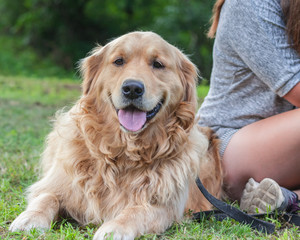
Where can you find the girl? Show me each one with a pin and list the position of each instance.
(254, 99)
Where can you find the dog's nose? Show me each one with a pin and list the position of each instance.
(133, 89)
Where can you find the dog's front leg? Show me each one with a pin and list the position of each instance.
(41, 211)
(135, 221)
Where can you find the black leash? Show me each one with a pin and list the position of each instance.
(225, 210)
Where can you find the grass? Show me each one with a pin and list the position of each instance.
(26, 108)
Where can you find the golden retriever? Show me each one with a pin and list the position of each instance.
(128, 153)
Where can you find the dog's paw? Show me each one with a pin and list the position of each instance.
(30, 219)
(115, 231)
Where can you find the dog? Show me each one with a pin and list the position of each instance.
(128, 152)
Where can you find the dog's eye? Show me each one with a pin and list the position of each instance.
(119, 62)
(157, 64)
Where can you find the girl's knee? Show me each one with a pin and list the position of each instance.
(235, 178)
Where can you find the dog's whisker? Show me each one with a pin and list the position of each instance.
(107, 99)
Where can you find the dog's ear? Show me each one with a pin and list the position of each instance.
(188, 75)
(89, 68)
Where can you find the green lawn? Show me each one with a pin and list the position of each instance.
(27, 106)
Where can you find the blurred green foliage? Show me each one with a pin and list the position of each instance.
(18, 59)
(65, 30)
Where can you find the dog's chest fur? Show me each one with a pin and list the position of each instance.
(108, 185)
(105, 173)
(111, 189)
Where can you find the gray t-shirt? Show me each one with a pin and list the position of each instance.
(253, 68)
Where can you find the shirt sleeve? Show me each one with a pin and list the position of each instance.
(257, 33)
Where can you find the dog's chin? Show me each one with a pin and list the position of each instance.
(125, 130)
(135, 120)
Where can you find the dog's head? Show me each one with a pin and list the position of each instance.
(142, 78)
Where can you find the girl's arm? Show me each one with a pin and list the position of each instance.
(293, 96)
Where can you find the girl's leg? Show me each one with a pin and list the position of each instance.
(269, 148)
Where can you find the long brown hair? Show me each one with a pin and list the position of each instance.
(215, 18)
(291, 12)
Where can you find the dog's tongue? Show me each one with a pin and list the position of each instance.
(132, 119)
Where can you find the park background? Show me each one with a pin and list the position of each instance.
(41, 42)
(48, 37)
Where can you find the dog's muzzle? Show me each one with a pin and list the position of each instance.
(132, 118)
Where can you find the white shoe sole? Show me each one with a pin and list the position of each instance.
(262, 197)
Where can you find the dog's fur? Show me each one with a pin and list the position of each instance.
(138, 182)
